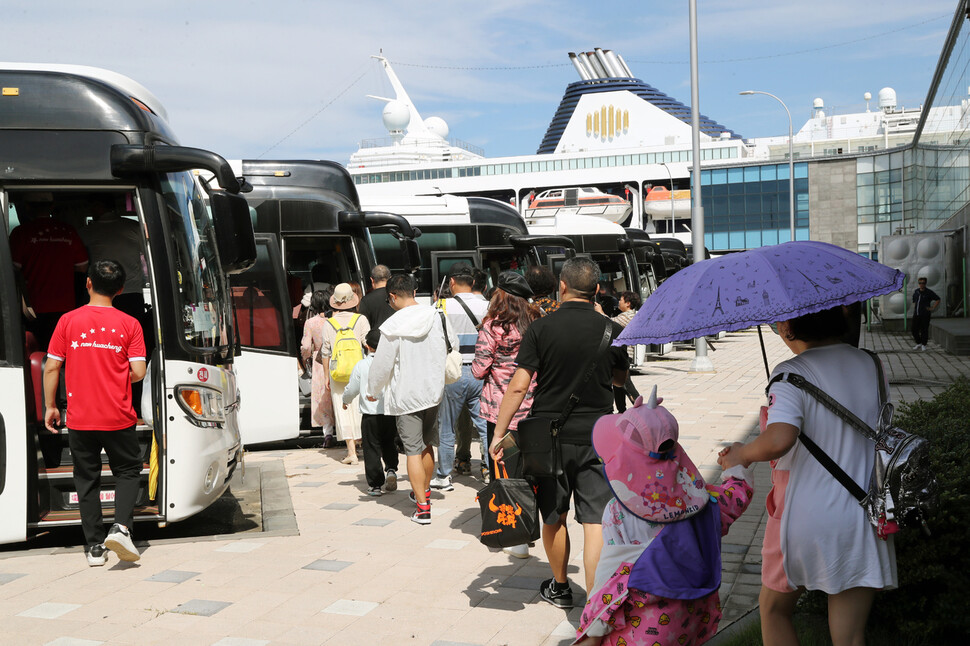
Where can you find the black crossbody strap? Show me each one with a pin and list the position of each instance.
(444, 330)
(590, 369)
(842, 412)
(468, 311)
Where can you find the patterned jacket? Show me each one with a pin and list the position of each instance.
(494, 362)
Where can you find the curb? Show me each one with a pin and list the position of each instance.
(734, 628)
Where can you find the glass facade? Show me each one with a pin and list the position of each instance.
(883, 203)
(942, 186)
(747, 206)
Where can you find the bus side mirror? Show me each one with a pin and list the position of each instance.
(234, 232)
(411, 254)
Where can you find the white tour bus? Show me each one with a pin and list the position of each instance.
(85, 139)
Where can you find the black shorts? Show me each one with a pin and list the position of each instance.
(582, 481)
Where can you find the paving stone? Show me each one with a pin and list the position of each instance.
(446, 544)
(172, 576)
(751, 568)
(339, 506)
(565, 629)
(523, 583)
(444, 643)
(733, 548)
(240, 641)
(7, 577)
(310, 484)
(374, 522)
(201, 607)
(327, 565)
(49, 610)
(73, 641)
(348, 607)
(240, 547)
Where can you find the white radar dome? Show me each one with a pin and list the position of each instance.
(437, 125)
(818, 103)
(887, 99)
(396, 116)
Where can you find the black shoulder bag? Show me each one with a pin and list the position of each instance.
(474, 319)
(538, 437)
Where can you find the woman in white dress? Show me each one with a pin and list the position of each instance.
(818, 537)
(344, 303)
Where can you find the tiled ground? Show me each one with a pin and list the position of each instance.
(360, 572)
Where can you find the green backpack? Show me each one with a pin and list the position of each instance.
(347, 351)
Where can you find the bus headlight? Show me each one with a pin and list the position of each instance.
(203, 405)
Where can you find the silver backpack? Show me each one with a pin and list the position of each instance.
(902, 488)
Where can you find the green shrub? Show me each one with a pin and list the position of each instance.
(930, 606)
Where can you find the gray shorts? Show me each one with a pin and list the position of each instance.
(418, 430)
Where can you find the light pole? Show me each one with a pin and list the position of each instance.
(673, 227)
(791, 160)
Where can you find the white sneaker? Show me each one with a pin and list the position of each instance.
(119, 541)
(442, 484)
(518, 551)
(97, 555)
(923, 347)
(390, 480)
(917, 346)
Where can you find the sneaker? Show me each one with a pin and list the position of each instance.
(97, 555)
(390, 480)
(486, 474)
(329, 441)
(119, 541)
(442, 484)
(916, 347)
(374, 491)
(518, 551)
(422, 515)
(427, 496)
(923, 347)
(463, 467)
(559, 597)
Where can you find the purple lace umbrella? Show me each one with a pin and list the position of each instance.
(764, 285)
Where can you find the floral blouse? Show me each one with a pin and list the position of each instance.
(494, 362)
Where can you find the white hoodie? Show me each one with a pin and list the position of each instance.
(409, 366)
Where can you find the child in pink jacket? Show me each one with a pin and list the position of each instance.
(660, 569)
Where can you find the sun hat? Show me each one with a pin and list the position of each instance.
(344, 297)
(515, 284)
(646, 467)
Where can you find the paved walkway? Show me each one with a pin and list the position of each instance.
(360, 572)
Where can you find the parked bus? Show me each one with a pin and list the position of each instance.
(310, 229)
(78, 136)
(485, 233)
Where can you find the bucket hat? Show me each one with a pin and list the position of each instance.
(646, 467)
(344, 297)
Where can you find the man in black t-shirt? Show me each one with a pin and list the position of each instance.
(374, 306)
(925, 301)
(557, 348)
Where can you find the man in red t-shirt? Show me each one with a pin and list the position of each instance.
(47, 252)
(103, 353)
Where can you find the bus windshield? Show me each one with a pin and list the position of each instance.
(200, 285)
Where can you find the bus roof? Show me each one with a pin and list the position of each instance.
(304, 174)
(132, 88)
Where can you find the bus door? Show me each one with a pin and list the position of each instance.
(16, 407)
(267, 371)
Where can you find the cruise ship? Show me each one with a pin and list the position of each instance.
(614, 134)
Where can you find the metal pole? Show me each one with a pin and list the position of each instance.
(673, 226)
(701, 362)
(791, 161)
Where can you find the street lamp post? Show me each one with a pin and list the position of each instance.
(673, 226)
(791, 161)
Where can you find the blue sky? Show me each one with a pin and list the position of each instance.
(288, 78)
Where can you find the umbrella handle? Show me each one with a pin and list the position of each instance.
(764, 355)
